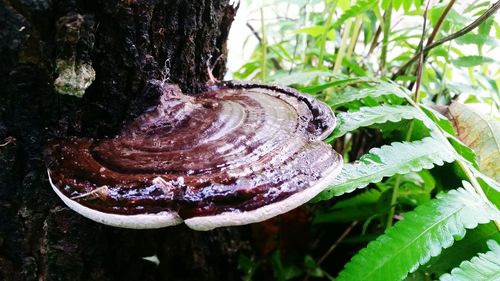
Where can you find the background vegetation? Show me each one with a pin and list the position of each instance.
(415, 87)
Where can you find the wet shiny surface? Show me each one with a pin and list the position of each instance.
(235, 147)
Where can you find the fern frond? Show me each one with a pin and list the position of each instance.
(484, 267)
(474, 242)
(366, 116)
(386, 161)
(380, 88)
(338, 81)
(422, 234)
(357, 9)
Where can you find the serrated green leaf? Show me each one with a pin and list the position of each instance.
(380, 88)
(386, 161)
(385, 4)
(407, 5)
(396, 4)
(478, 39)
(470, 61)
(357, 9)
(439, 119)
(335, 83)
(474, 242)
(485, 27)
(366, 116)
(313, 31)
(482, 267)
(422, 234)
(444, 123)
(463, 150)
(481, 133)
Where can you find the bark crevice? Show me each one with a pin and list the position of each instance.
(127, 43)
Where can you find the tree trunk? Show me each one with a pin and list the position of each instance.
(52, 47)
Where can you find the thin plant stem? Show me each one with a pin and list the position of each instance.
(343, 46)
(452, 36)
(326, 27)
(385, 39)
(394, 199)
(395, 188)
(334, 245)
(275, 62)
(299, 38)
(463, 166)
(440, 22)
(354, 37)
(430, 39)
(421, 62)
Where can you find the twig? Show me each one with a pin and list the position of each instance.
(431, 38)
(452, 36)
(375, 39)
(275, 62)
(101, 191)
(439, 23)
(343, 46)
(420, 65)
(212, 80)
(385, 39)
(297, 37)
(355, 35)
(330, 250)
(8, 140)
(342, 237)
(326, 27)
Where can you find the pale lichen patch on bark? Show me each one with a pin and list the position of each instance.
(74, 78)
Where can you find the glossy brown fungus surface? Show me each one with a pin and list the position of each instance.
(234, 148)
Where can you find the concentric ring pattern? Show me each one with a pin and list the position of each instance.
(235, 147)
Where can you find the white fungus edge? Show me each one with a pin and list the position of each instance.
(205, 223)
(141, 221)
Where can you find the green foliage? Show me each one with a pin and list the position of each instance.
(366, 116)
(422, 234)
(372, 90)
(469, 61)
(355, 10)
(474, 242)
(354, 56)
(483, 267)
(386, 161)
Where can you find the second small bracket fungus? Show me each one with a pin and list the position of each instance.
(236, 154)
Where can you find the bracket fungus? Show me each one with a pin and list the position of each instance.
(235, 154)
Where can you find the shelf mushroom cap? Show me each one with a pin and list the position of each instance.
(235, 154)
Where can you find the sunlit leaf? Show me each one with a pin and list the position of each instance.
(360, 7)
(386, 161)
(372, 90)
(422, 234)
(313, 31)
(469, 61)
(474, 242)
(482, 267)
(366, 116)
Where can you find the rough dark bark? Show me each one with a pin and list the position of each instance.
(126, 43)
